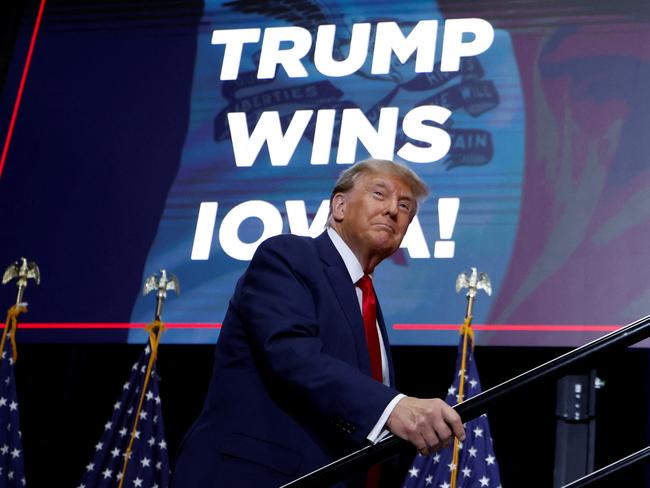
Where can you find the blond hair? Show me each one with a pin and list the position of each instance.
(346, 179)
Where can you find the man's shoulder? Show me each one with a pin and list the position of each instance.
(289, 246)
(288, 241)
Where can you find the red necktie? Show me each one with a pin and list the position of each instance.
(369, 312)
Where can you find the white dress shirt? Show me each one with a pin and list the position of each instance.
(355, 271)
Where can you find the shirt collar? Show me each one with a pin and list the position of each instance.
(352, 264)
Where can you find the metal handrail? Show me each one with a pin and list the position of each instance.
(473, 407)
(610, 468)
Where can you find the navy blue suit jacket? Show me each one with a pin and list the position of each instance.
(291, 388)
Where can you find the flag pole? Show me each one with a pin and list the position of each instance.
(161, 284)
(466, 331)
(23, 271)
(11, 325)
(473, 282)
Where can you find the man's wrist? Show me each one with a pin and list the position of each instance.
(378, 431)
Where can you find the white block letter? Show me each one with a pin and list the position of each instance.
(272, 55)
(234, 39)
(379, 142)
(323, 132)
(204, 231)
(228, 232)
(323, 58)
(447, 214)
(438, 139)
(453, 47)
(414, 241)
(389, 39)
(297, 217)
(268, 129)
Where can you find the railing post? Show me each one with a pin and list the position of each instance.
(575, 430)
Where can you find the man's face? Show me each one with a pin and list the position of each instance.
(374, 215)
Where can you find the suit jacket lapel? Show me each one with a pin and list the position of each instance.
(339, 278)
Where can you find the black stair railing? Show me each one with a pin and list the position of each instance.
(640, 456)
(365, 457)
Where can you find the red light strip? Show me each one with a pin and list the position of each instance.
(400, 327)
(109, 325)
(21, 87)
(511, 327)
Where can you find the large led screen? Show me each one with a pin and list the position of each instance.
(178, 136)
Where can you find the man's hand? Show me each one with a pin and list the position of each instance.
(428, 424)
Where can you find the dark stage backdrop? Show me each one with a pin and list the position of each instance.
(67, 394)
(145, 140)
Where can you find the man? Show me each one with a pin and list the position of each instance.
(301, 376)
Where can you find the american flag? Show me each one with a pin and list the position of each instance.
(148, 465)
(477, 465)
(12, 468)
